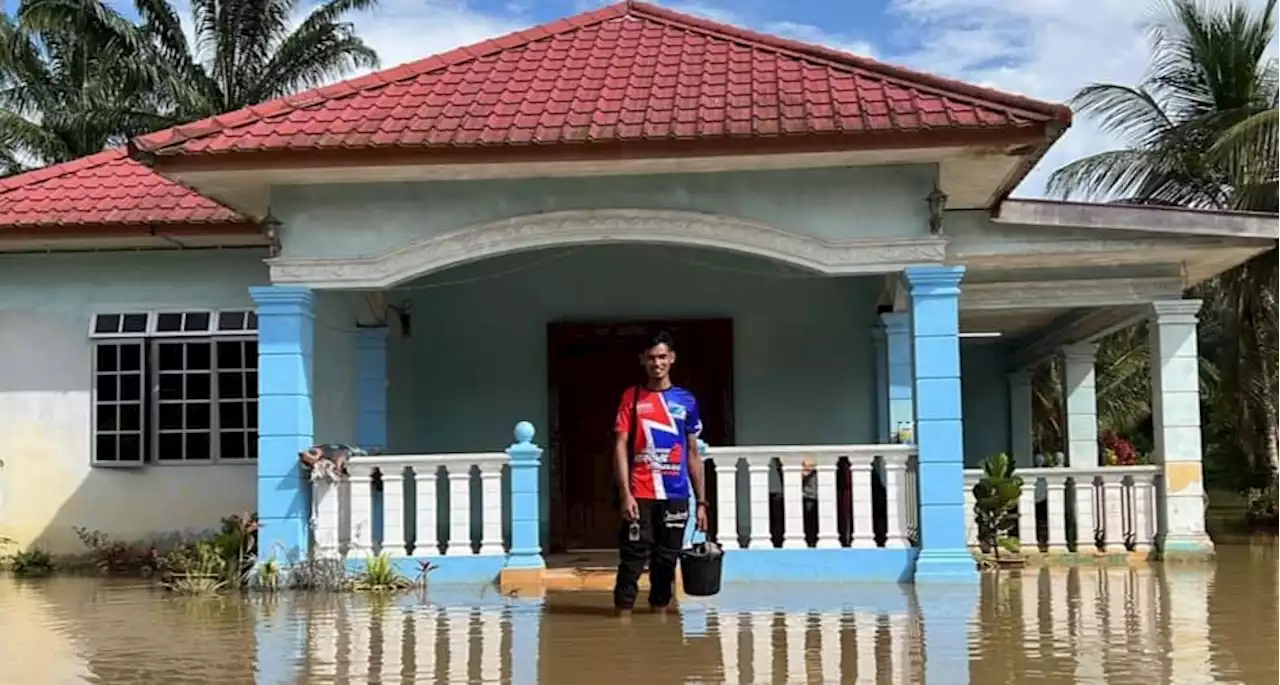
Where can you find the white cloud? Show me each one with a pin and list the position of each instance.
(406, 30)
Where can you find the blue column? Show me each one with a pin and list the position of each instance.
(371, 387)
(935, 336)
(526, 525)
(897, 341)
(286, 340)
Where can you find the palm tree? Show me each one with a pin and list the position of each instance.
(1201, 132)
(64, 95)
(75, 75)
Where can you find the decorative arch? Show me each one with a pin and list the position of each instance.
(607, 226)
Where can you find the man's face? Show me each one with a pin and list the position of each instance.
(657, 361)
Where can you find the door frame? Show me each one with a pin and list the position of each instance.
(562, 332)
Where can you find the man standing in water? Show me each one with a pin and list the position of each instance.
(657, 465)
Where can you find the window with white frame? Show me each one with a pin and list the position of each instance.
(175, 387)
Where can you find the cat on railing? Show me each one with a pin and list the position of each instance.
(329, 461)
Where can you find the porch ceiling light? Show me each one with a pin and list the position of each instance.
(982, 334)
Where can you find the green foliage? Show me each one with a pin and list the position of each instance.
(1199, 131)
(1262, 511)
(380, 575)
(116, 557)
(996, 501)
(77, 76)
(203, 573)
(29, 563)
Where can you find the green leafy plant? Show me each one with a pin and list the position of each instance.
(31, 563)
(205, 574)
(380, 575)
(116, 557)
(996, 501)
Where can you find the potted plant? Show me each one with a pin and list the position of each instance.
(995, 510)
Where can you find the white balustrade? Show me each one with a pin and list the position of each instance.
(343, 524)
(901, 499)
(1112, 504)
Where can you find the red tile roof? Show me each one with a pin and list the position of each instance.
(103, 189)
(627, 72)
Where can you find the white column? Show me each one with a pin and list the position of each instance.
(896, 498)
(459, 510)
(860, 493)
(491, 503)
(1079, 389)
(1144, 504)
(1086, 530)
(393, 511)
(1113, 520)
(1175, 408)
(758, 470)
(361, 480)
(426, 542)
(325, 493)
(793, 504)
(1020, 400)
(1056, 487)
(1027, 517)
(828, 517)
(727, 502)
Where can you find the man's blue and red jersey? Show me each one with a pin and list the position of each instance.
(666, 421)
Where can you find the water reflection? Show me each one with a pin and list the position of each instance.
(1177, 625)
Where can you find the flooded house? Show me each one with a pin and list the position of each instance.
(418, 260)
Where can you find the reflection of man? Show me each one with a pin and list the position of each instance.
(656, 463)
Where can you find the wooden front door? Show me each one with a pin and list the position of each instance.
(589, 366)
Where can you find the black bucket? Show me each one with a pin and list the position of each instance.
(700, 569)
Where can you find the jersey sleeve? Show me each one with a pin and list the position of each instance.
(622, 423)
(693, 418)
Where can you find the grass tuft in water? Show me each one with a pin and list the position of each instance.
(380, 575)
(205, 574)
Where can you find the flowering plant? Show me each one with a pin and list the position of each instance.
(1118, 451)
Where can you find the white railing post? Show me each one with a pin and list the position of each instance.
(491, 503)
(793, 502)
(1086, 532)
(459, 510)
(726, 503)
(828, 495)
(896, 498)
(971, 478)
(1144, 510)
(912, 490)
(758, 496)
(393, 542)
(326, 495)
(860, 493)
(427, 538)
(1114, 524)
(1027, 537)
(361, 479)
(1056, 486)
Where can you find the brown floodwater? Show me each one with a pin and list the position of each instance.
(1151, 625)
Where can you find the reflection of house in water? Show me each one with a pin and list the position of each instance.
(1092, 624)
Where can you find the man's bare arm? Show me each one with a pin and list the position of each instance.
(695, 468)
(621, 470)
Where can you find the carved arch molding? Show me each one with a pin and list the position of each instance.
(611, 226)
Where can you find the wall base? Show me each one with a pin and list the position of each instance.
(945, 566)
(806, 565)
(1193, 549)
(474, 569)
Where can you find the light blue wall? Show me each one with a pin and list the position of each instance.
(840, 203)
(47, 484)
(476, 361)
(334, 397)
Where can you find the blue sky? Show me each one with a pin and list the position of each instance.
(1043, 48)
